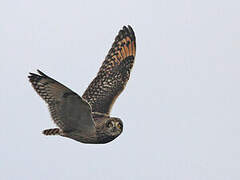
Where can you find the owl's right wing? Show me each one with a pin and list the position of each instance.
(68, 110)
(113, 74)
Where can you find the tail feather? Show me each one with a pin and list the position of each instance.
(54, 131)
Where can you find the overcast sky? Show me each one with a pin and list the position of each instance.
(180, 108)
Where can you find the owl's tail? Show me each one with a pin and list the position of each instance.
(54, 131)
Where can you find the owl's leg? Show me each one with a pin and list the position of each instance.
(54, 131)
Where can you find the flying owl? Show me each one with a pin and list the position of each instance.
(87, 119)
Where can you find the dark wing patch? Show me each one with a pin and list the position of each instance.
(68, 110)
(114, 72)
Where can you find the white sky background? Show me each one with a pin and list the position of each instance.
(180, 108)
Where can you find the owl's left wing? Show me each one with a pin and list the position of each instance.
(113, 74)
(68, 110)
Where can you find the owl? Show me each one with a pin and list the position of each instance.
(87, 119)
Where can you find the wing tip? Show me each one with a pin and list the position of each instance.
(41, 73)
(129, 31)
(126, 31)
(33, 76)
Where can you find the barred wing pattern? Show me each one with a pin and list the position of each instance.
(68, 110)
(113, 74)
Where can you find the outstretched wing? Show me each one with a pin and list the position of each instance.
(68, 110)
(113, 74)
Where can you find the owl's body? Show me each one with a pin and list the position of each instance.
(87, 119)
(100, 136)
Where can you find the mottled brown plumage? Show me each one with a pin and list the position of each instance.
(113, 74)
(87, 119)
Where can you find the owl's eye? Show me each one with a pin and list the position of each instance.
(109, 124)
(119, 126)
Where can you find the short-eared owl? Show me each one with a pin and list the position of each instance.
(87, 118)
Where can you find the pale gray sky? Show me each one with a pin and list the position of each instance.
(180, 108)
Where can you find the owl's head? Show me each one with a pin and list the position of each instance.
(113, 126)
